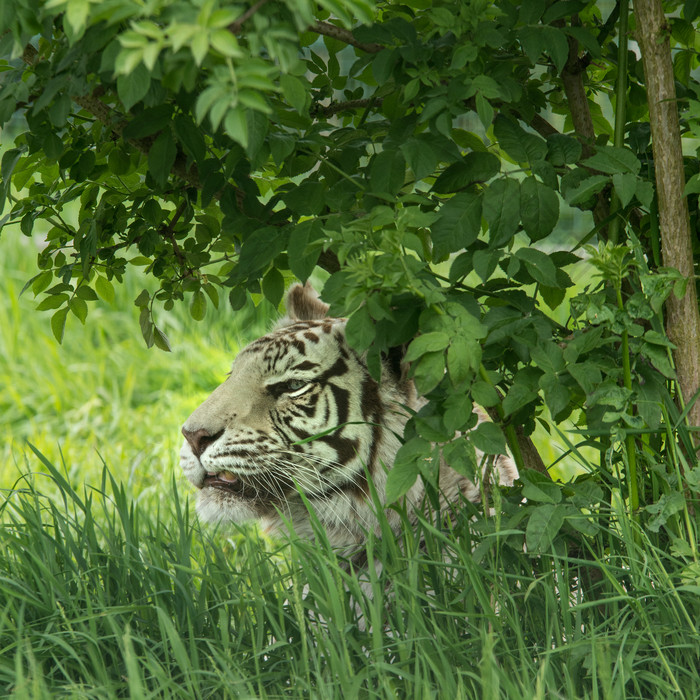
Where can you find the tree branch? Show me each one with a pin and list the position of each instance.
(335, 107)
(235, 28)
(344, 35)
(575, 91)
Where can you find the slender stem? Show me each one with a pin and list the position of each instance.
(620, 109)
(630, 447)
(511, 435)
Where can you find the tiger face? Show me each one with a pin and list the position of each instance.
(300, 414)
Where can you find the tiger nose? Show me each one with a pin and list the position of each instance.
(200, 439)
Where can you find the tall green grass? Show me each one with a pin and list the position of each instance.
(103, 597)
(109, 587)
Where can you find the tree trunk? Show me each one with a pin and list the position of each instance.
(682, 315)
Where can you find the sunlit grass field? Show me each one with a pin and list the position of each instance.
(109, 587)
(102, 395)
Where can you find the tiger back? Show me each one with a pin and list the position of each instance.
(300, 414)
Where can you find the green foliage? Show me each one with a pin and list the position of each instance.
(111, 588)
(420, 155)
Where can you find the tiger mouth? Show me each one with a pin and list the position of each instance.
(226, 481)
(247, 488)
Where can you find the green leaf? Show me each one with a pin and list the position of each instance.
(132, 88)
(58, 323)
(538, 39)
(429, 371)
(306, 199)
(484, 110)
(273, 286)
(521, 146)
(539, 265)
(463, 357)
(147, 326)
(563, 150)
(149, 121)
(474, 167)
(9, 160)
(190, 136)
(583, 342)
(540, 488)
(84, 166)
(645, 192)
(237, 298)
(76, 17)
(610, 159)
(625, 185)
(691, 10)
(485, 262)
(360, 330)
(281, 146)
(666, 507)
(60, 110)
(53, 301)
(586, 189)
(260, 248)
(302, 261)
(543, 526)
(518, 396)
(160, 339)
(458, 226)
(485, 394)
(198, 305)
(502, 210)
(294, 92)
(548, 356)
(427, 342)
(105, 289)
(489, 438)
(387, 172)
(556, 394)
(458, 411)
(39, 282)
(461, 456)
(79, 308)
(257, 131)
(405, 470)
(383, 64)
(118, 161)
(143, 299)
(236, 126)
(161, 158)
(539, 208)
(421, 157)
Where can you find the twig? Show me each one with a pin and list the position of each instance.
(335, 107)
(344, 35)
(235, 28)
(169, 232)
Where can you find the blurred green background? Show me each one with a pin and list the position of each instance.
(102, 395)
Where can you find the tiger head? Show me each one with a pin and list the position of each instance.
(300, 422)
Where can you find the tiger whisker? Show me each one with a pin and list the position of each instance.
(309, 479)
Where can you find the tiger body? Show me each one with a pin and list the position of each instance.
(299, 412)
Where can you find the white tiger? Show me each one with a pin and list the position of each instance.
(299, 411)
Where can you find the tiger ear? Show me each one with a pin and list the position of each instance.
(303, 304)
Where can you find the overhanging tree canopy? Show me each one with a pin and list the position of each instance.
(419, 152)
